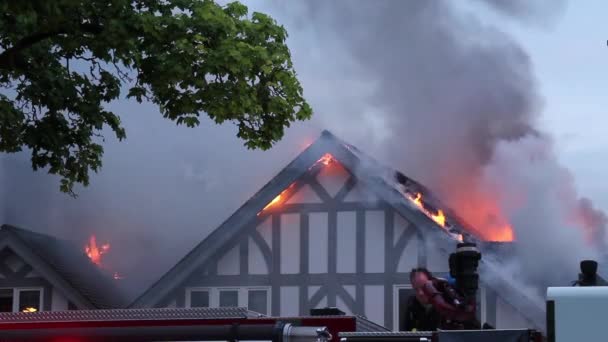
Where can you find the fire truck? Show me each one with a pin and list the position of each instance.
(220, 324)
(573, 314)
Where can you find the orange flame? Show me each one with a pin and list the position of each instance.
(29, 309)
(439, 218)
(326, 159)
(277, 199)
(500, 231)
(417, 200)
(273, 202)
(95, 252)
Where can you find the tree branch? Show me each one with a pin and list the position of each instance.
(8, 57)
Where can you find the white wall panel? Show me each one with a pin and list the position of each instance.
(312, 290)
(437, 260)
(409, 258)
(374, 241)
(290, 301)
(304, 195)
(290, 243)
(347, 242)
(351, 290)
(374, 303)
(229, 263)
(257, 263)
(317, 242)
(265, 230)
(360, 194)
(333, 177)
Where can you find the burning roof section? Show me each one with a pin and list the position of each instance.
(409, 198)
(67, 267)
(413, 194)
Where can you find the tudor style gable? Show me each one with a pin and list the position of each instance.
(324, 232)
(41, 273)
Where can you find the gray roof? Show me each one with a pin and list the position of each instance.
(383, 182)
(66, 267)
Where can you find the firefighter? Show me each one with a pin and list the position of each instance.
(429, 309)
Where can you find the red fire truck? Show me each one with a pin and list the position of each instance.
(217, 324)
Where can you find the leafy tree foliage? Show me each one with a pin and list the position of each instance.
(62, 61)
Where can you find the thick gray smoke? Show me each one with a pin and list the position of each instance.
(425, 87)
(453, 103)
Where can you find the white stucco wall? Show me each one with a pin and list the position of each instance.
(304, 195)
(374, 303)
(333, 177)
(229, 264)
(317, 242)
(347, 242)
(290, 243)
(409, 258)
(290, 303)
(375, 232)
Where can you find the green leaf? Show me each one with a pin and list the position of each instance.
(189, 57)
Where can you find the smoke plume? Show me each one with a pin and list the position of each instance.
(454, 104)
(428, 88)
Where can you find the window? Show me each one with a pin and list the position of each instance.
(256, 299)
(199, 299)
(21, 299)
(6, 300)
(29, 300)
(229, 298)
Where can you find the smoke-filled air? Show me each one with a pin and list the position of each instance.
(430, 89)
(452, 101)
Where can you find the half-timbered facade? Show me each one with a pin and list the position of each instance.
(41, 273)
(328, 230)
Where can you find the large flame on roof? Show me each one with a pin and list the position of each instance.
(492, 228)
(94, 252)
(438, 217)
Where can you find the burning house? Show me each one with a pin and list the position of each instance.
(42, 273)
(335, 228)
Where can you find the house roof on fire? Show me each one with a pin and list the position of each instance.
(65, 266)
(390, 185)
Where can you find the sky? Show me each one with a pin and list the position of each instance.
(571, 63)
(164, 188)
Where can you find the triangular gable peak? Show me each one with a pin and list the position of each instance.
(299, 175)
(296, 176)
(356, 177)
